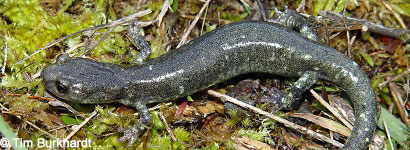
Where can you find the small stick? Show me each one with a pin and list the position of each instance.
(331, 109)
(65, 105)
(287, 123)
(398, 101)
(388, 134)
(394, 78)
(31, 97)
(395, 14)
(347, 32)
(171, 134)
(164, 10)
(203, 21)
(114, 23)
(99, 41)
(204, 18)
(95, 112)
(301, 7)
(372, 27)
(185, 36)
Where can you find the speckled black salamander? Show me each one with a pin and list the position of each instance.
(226, 52)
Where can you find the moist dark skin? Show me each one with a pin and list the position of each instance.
(229, 51)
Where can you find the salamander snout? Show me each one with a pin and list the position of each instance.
(55, 83)
(82, 80)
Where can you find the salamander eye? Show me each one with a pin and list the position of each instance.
(61, 88)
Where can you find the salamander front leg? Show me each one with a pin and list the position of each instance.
(138, 39)
(301, 85)
(134, 132)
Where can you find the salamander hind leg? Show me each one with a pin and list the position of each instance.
(140, 127)
(301, 85)
(139, 41)
(291, 19)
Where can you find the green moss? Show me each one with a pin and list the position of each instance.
(29, 28)
(331, 5)
(69, 120)
(158, 45)
(234, 17)
(234, 118)
(255, 135)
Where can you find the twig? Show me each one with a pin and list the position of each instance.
(347, 31)
(164, 10)
(352, 40)
(301, 7)
(95, 112)
(394, 78)
(28, 122)
(287, 123)
(246, 5)
(398, 101)
(372, 27)
(395, 14)
(3, 68)
(203, 21)
(185, 36)
(99, 40)
(74, 47)
(65, 105)
(331, 109)
(171, 134)
(204, 18)
(31, 97)
(262, 10)
(111, 24)
(388, 134)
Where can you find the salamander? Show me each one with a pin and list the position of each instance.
(228, 51)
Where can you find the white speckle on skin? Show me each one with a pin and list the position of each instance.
(362, 115)
(308, 56)
(355, 79)
(242, 36)
(291, 49)
(272, 58)
(364, 93)
(181, 89)
(355, 64)
(316, 68)
(349, 74)
(366, 129)
(78, 85)
(226, 57)
(150, 67)
(367, 139)
(130, 95)
(244, 44)
(162, 77)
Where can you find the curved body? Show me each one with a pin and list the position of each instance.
(226, 52)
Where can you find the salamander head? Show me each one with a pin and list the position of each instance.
(82, 80)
